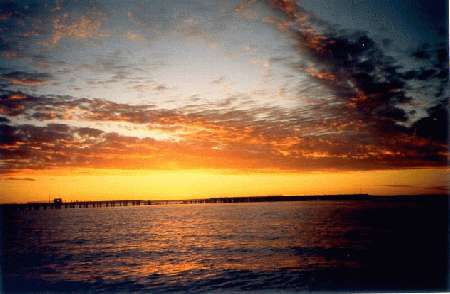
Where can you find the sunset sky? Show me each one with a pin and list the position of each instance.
(180, 99)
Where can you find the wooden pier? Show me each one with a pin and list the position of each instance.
(58, 204)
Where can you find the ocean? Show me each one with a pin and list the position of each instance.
(363, 245)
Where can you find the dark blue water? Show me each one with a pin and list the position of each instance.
(284, 246)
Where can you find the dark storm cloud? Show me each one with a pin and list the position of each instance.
(373, 86)
(433, 70)
(4, 120)
(435, 125)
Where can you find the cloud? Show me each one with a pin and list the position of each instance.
(314, 137)
(399, 186)
(5, 15)
(370, 85)
(4, 120)
(443, 189)
(244, 9)
(161, 87)
(21, 78)
(435, 125)
(281, 25)
(19, 179)
(72, 27)
(354, 108)
(9, 50)
(218, 81)
(133, 36)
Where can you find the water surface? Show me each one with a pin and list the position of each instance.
(286, 246)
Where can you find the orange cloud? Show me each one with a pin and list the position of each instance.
(216, 140)
(17, 96)
(24, 82)
(321, 75)
(281, 25)
(133, 36)
(20, 78)
(243, 9)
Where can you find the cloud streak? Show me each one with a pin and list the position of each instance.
(21, 78)
(20, 179)
(68, 26)
(314, 137)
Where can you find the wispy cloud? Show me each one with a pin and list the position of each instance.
(443, 189)
(399, 186)
(438, 189)
(21, 78)
(134, 36)
(73, 27)
(19, 179)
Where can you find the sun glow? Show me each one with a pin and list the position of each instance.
(89, 184)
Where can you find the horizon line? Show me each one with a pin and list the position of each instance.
(235, 196)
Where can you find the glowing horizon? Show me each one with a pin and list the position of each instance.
(91, 184)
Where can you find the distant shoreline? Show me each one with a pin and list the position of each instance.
(235, 199)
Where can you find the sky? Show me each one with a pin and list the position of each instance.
(181, 99)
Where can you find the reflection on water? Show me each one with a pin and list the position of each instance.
(315, 245)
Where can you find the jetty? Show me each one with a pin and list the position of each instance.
(58, 203)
